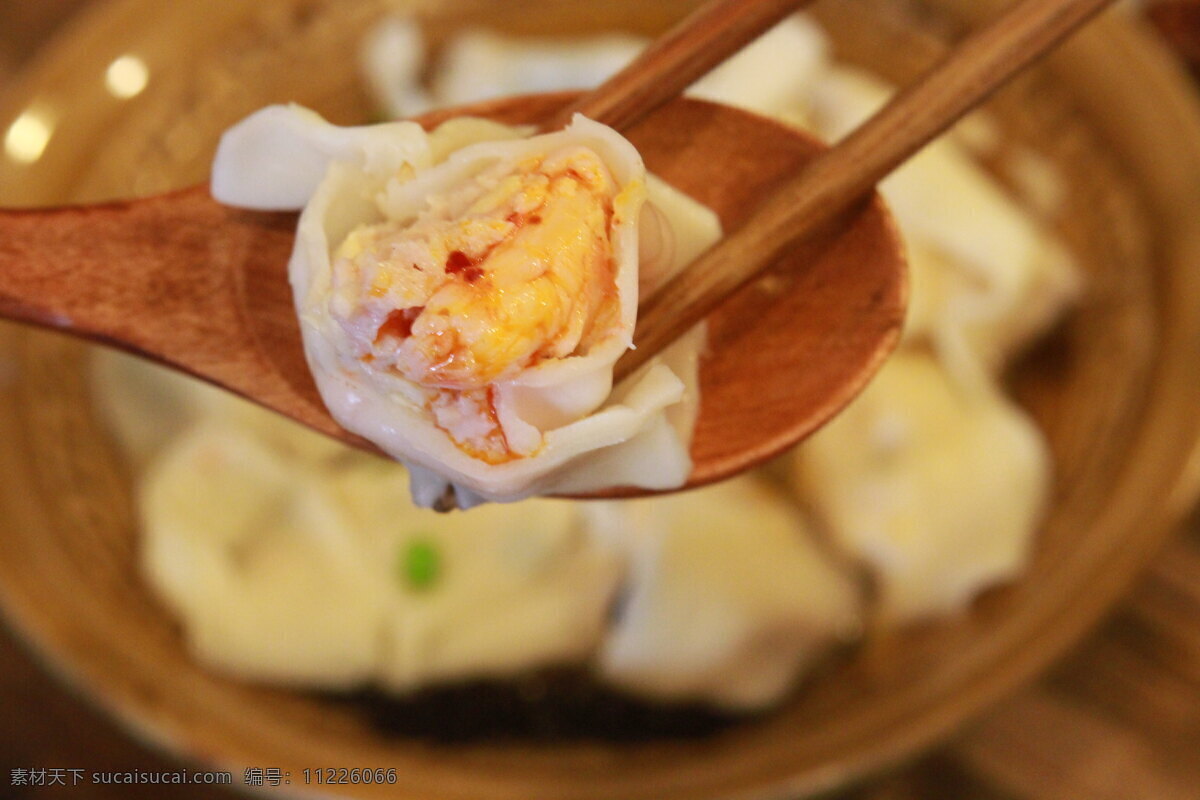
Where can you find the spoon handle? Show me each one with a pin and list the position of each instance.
(807, 206)
(90, 269)
(687, 52)
(111, 273)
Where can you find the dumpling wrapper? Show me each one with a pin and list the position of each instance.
(591, 439)
(728, 599)
(937, 485)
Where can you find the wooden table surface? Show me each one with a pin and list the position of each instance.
(1118, 718)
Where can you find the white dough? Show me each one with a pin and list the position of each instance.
(274, 159)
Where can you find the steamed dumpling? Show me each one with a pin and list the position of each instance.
(515, 586)
(772, 75)
(327, 575)
(728, 600)
(985, 277)
(478, 65)
(463, 307)
(288, 558)
(938, 486)
(235, 541)
(324, 574)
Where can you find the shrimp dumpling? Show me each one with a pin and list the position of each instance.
(464, 295)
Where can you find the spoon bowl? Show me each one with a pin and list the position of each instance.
(180, 279)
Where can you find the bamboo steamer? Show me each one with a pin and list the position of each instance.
(1115, 389)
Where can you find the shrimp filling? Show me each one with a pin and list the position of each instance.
(512, 268)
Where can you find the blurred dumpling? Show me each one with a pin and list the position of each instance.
(773, 75)
(236, 540)
(327, 575)
(986, 278)
(324, 574)
(937, 486)
(728, 600)
(490, 592)
(392, 59)
(478, 65)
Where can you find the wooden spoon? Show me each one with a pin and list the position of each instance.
(200, 287)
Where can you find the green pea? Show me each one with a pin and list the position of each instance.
(420, 563)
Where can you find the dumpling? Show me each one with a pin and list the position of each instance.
(521, 588)
(465, 314)
(986, 278)
(489, 593)
(325, 574)
(773, 75)
(236, 542)
(937, 485)
(477, 65)
(727, 600)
